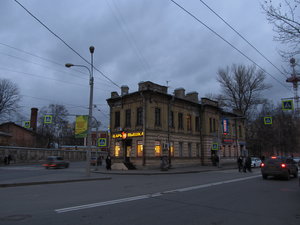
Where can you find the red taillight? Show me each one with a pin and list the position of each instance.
(45, 164)
(53, 165)
(262, 165)
(283, 165)
(273, 157)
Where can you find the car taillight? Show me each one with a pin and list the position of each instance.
(53, 165)
(262, 165)
(283, 165)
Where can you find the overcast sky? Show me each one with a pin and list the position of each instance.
(134, 40)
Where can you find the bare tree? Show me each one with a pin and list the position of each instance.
(59, 125)
(9, 97)
(286, 21)
(241, 87)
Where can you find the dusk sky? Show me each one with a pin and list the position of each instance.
(134, 40)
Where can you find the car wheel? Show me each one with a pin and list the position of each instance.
(67, 165)
(296, 174)
(265, 176)
(47, 167)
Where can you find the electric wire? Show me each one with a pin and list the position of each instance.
(64, 42)
(241, 36)
(214, 32)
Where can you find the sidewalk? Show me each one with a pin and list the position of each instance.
(101, 173)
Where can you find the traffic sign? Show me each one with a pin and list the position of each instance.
(26, 124)
(215, 146)
(48, 119)
(102, 142)
(268, 120)
(287, 105)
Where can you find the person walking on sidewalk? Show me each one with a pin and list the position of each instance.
(108, 162)
(240, 163)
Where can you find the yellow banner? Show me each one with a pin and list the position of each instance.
(81, 126)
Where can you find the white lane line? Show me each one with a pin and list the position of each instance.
(140, 197)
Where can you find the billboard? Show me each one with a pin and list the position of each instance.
(81, 126)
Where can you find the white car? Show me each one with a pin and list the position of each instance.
(255, 162)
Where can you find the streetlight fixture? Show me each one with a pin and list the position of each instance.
(89, 134)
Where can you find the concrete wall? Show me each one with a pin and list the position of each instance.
(28, 155)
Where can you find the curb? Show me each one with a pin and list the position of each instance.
(161, 172)
(51, 182)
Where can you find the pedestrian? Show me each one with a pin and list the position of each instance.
(5, 160)
(248, 163)
(240, 163)
(108, 162)
(9, 158)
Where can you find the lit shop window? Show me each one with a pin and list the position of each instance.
(157, 148)
(117, 149)
(139, 148)
(172, 148)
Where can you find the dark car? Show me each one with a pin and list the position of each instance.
(56, 162)
(279, 167)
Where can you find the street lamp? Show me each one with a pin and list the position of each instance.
(89, 134)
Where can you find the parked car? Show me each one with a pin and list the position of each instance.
(297, 159)
(279, 167)
(56, 162)
(255, 162)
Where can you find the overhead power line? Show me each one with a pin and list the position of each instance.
(214, 32)
(241, 36)
(58, 37)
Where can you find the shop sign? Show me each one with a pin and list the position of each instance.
(125, 135)
(228, 140)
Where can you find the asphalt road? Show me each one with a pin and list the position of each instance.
(218, 197)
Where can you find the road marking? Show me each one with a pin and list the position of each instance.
(153, 195)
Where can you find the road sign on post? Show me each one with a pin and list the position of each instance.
(48, 119)
(267, 120)
(102, 142)
(287, 105)
(215, 146)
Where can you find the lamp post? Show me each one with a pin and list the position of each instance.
(89, 134)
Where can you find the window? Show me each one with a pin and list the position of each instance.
(240, 131)
(197, 123)
(171, 119)
(190, 149)
(157, 148)
(139, 148)
(117, 119)
(157, 117)
(214, 125)
(210, 125)
(172, 148)
(198, 150)
(180, 121)
(117, 149)
(189, 122)
(180, 149)
(128, 118)
(139, 116)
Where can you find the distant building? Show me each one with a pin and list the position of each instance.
(15, 135)
(150, 123)
(12, 134)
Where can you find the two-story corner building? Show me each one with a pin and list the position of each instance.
(150, 123)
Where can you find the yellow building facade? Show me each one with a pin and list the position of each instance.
(149, 124)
